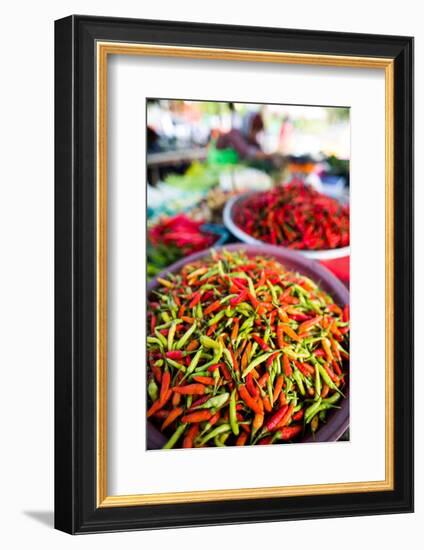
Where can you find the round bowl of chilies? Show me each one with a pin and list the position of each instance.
(246, 345)
(294, 216)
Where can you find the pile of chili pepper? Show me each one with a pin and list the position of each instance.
(242, 352)
(181, 232)
(295, 216)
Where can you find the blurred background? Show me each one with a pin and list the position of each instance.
(200, 154)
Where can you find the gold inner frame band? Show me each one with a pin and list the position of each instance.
(103, 50)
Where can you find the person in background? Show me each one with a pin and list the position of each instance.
(244, 141)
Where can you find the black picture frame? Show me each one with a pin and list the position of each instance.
(76, 510)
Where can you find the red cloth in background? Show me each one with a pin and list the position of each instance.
(340, 267)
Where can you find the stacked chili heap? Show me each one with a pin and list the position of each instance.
(243, 352)
(296, 216)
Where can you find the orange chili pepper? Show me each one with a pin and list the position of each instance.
(194, 344)
(280, 337)
(166, 380)
(207, 380)
(198, 416)
(283, 398)
(258, 421)
(307, 325)
(242, 438)
(173, 415)
(326, 347)
(278, 387)
(267, 404)
(234, 332)
(190, 389)
(159, 404)
(212, 307)
(176, 399)
(248, 399)
(286, 366)
(290, 332)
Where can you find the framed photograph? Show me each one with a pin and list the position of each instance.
(234, 274)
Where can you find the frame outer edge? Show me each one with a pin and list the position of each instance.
(71, 515)
(64, 446)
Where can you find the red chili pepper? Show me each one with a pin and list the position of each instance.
(298, 416)
(250, 385)
(240, 298)
(295, 215)
(176, 355)
(196, 299)
(346, 313)
(270, 359)
(262, 344)
(211, 368)
(289, 432)
(285, 418)
(275, 418)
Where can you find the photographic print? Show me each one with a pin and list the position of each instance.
(248, 273)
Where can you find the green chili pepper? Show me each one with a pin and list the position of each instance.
(184, 338)
(175, 437)
(333, 398)
(208, 342)
(176, 365)
(153, 390)
(270, 390)
(228, 357)
(165, 316)
(325, 376)
(293, 355)
(314, 423)
(161, 338)
(312, 410)
(317, 383)
(194, 362)
(273, 292)
(222, 428)
(298, 377)
(251, 286)
(215, 402)
(199, 311)
(233, 414)
(153, 340)
(171, 334)
(216, 318)
(257, 362)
